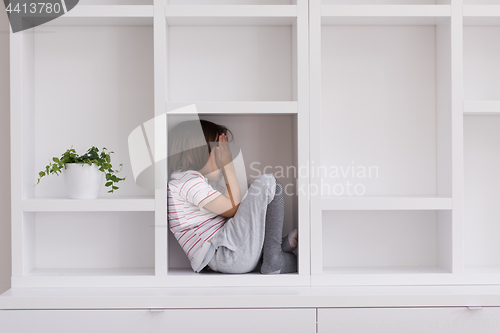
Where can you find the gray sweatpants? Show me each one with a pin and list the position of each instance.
(239, 242)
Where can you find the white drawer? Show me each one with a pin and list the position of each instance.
(138, 321)
(81, 321)
(242, 320)
(387, 320)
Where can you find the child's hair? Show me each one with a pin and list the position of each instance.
(184, 140)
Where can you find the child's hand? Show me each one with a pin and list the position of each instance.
(222, 153)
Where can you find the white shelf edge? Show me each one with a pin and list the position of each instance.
(90, 205)
(211, 11)
(479, 108)
(352, 276)
(152, 281)
(231, 14)
(481, 11)
(245, 297)
(237, 107)
(187, 278)
(385, 203)
(476, 277)
(375, 270)
(386, 10)
(106, 15)
(481, 15)
(481, 269)
(385, 14)
(111, 11)
(90, 272)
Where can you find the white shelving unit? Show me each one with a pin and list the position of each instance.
(94, 75)
(481, 110)
(391, 105)
(245, 65)
(83, 80)
(386, 94)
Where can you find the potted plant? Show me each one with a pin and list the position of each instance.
(83, 175)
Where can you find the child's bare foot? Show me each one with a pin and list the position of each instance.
(289, 243)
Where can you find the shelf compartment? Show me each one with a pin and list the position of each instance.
(88, 243)
(413, 243)
(75, 205)
(385, 203)
(231, 15)
(382, 90)
(232, 63)
(100, 88)
(385, 14)
(385, 111)
(481, 66)
(481, 192)
(106, 15)
(259, 157)
(481, 108)
(247, 108)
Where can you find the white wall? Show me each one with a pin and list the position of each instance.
(5, 262)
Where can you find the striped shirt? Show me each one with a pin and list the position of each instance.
(192, 225)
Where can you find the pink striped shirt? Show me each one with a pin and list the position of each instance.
(192, 225)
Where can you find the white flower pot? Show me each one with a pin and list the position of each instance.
(82, 181)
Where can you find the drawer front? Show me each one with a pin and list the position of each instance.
(138, 321)
(81, 321)
(387, 320)
(242, 320)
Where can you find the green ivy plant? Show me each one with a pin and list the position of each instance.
(101, 159)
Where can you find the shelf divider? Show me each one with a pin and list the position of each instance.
(160, 148)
